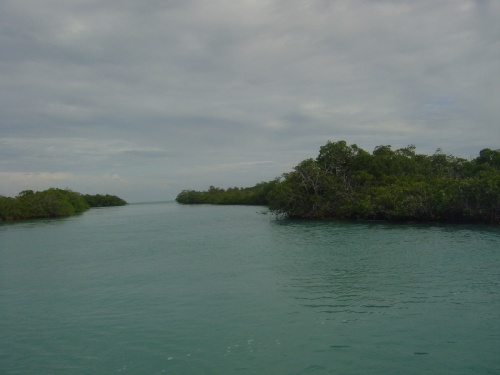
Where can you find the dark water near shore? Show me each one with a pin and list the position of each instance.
(170, 289)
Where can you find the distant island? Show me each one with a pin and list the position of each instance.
(346, 182)
(52, 203)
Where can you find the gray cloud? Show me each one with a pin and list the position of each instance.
(154, 91)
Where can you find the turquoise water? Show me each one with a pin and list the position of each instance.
(171, 289)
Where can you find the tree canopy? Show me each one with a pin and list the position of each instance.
(255, 195)
(106, 200)
(347, 182)
(51, 203)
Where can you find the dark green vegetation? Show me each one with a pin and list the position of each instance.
(51, 203)
(347, 182)
(107, 200)
(255, 195)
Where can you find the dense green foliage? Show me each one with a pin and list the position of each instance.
(347, 182)
(255, 195)
(50, 203)
(107, 200)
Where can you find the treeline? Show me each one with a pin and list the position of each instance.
(255, 195)
(107, 200)
(347, 182)
(51, 203)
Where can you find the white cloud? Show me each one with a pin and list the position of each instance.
(157, 90)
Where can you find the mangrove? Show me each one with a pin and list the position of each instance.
(348, 183)
(52, 203)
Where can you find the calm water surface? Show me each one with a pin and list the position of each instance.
(171, 289)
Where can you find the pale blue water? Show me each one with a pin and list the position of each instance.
(171, 289)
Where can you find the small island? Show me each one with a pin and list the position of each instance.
(348, 183)
(52, 203)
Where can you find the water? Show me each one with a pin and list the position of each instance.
(171, 289)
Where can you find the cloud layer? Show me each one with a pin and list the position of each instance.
(170, 95)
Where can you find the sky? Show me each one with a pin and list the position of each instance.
(143, 99)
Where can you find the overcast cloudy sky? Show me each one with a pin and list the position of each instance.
(145, 98)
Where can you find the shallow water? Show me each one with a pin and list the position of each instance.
(171, 289)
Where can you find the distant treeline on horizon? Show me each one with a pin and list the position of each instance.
(52, 202)
(347, 182)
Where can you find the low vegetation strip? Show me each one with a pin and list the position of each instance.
(52, 202)
(251, 196)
